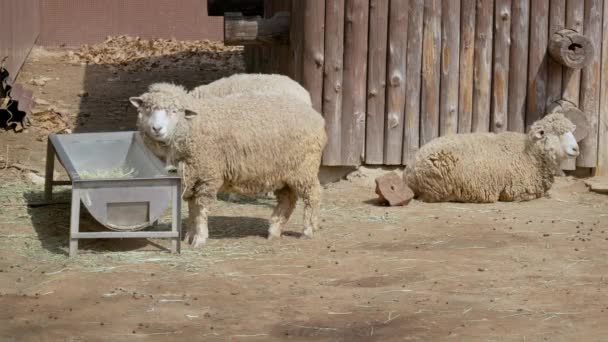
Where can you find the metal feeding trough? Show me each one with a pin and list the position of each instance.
(120, 182)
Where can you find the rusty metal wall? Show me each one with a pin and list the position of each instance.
(76, 22)
(19, 28)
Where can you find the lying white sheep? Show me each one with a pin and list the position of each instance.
(488, 167)
(237, 83)
(246, 143)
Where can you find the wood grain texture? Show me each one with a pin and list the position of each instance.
(450, 53)
(355, 71)
(590, 85)
(557, 21)
(280, 55)
(376, 81)
(500, 87)
(571, 79)
(411, 140)
(332, 82)
(313, 50)
(602, 157)
(465, 84)
(518, 59)
(296, 35)
(396, 76)
(537, 71)
(482, 74)
(431, 73)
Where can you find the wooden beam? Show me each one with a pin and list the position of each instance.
(241, 30)
(518, 58)
(450, 50)
(537, 71)
(465, 82)
(602, 151)
(431, 71)
(500, 89)
(313, 50)
(482, 84)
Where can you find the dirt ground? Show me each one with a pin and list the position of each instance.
(535, 271)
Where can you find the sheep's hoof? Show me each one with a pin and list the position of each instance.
(171, 168)
(307, 233)
(274, 233)
(198, 241)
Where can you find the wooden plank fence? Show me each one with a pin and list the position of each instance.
(391, 75)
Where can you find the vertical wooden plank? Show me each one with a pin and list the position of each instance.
(411, 141)
(518, 60)
(602, 157)
(465, 84)
(280, 54)
(537, 72)
(332, 82)
(590, 84)
(313, 50)
(355, 71)
(482, 73)
(376, 81)
(450, 49)
(557, 21)
(500, 76)
(431, 73)
(296, 23)
(572, 78)
(395, 94)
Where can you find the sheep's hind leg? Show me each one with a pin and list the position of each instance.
(286, 203)
(312, 204)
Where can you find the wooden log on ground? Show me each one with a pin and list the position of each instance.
(450, 50)
(392, 190)
(602, 152)
(411, 141)
(590, 85)
(332, 82)
(500, 88)
(518, 60)
(396, 76)
(557, 22)
(537, 71)
(571, 49)
(574, 114)
(465, 83)
(241, 30)
(313, 50)
(431, 73)
(376, 81)
(355, 71)
(483, 66)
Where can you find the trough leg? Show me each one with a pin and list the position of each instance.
(74, 221)
(176, 219)
(50, 168)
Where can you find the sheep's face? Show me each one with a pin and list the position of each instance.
(159, 123)
(554, 134)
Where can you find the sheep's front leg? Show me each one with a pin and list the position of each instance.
(198, 205)
(286, 203)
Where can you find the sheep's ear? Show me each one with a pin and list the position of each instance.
(190, 114)
(539, 133)
(136, 101)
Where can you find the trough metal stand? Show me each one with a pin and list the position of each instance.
(77, 187)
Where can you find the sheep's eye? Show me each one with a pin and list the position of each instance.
(541, 132)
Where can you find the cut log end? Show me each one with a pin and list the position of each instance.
(571, 49)
(241, 30)
(392, 190)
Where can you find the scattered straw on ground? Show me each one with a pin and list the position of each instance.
(135, 53)
(118, 172)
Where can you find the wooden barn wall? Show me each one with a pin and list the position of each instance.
(19, 28)
(391, 75)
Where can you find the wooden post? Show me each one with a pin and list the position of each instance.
(590, 85)
(411, 141)
(396, 76)
(571, 49)
(313, 50)
(537, 72)
(483, 66)
(355, 71)
(332, 82)
(279, 54)
(465, 84)
(518, 59)
(240, 30)
(602, 153)
(450, 49)
(557, 21)
(500, 89)
(296, 32)
(572, 77)
(376, 81)
(431, 73)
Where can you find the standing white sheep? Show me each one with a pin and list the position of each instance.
(246, 143)
(488, 167)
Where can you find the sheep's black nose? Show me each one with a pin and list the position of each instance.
(156, 129)
(575, 149)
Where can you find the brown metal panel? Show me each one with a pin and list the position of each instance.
(19, 27)
(76, 22)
